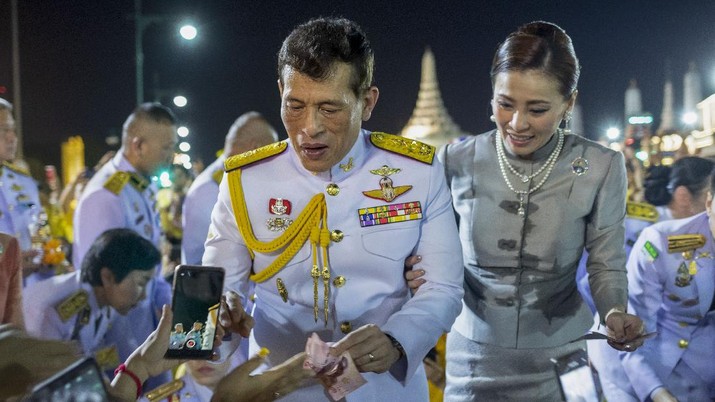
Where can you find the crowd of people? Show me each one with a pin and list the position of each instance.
(513, 242)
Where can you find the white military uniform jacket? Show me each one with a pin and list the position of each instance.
(65, 308)
(198, 203)
(129, 204)
(603, 357)
(19, 203)
(369, 241)
(672, 292)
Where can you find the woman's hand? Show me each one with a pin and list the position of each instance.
(414, 276)
(626, 329)
(240, 386)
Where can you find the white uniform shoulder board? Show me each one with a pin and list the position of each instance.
(72, 305)
(404, 146)
(116, 182)
(164, 391)
(16, 168)
(254, 156)
(642, 211)
(685, 242)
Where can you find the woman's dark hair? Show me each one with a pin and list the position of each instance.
(121, 251)
(690, 171)
(539, 46)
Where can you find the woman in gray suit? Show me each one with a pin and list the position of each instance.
(530, 197)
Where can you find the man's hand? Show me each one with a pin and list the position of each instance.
(414, 277)
(626, 329)
(370, 349)
(233, 318)
(240, 386)
(148, 359)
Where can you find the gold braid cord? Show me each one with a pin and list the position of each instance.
(310, 224)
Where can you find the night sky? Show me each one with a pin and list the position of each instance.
(77, 60)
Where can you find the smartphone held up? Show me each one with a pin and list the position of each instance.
(195, 305)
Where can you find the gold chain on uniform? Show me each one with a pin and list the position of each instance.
(310, 224)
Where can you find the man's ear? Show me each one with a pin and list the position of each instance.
(107, 276)
(370, 100)
(709, 204)
(280, 88)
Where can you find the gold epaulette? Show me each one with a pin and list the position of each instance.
(117, 181)
(164, 391)
(72, 305)
(686, 242)
(217, 176)
(642, 211)
(254, 156)
(404, 146)
(16, 168)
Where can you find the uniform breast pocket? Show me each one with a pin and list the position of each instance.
(392, 243)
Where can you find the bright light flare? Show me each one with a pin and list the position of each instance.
(180, 101)
(183, 131)
(188, 32)
(690, 118)
(184, 147)
(612, 133)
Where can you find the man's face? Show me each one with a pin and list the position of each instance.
(323, 118)
(124, 295)
(8, 137)
(156, 142)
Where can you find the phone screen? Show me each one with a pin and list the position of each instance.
(576, 377)
(195, 304)
(81, 381)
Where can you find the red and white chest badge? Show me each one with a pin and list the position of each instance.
(279, 206)
(387, 191)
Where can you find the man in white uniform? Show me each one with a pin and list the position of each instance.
(122, 195)
(323, 223)
(248, 132)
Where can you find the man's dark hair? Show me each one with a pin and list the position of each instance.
(313, 48)
(121, 251)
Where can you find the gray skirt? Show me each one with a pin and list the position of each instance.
(482, 372)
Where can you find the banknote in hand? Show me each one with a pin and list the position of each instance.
(338, 374)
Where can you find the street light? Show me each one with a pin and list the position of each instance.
(141, 22)
(612, 133)
(188, 32)
(180, 101)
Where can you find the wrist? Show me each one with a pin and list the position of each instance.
(397, 345)
(124, 374)
(617, 309)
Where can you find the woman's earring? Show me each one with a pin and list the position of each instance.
(492, 118)
(567, 123)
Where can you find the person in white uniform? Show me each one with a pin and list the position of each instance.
(250, 131)
(122, 194)
(323, 223)
(19, 195)
(671, 284)
(80, 305)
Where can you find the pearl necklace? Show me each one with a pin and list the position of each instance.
(548, 166)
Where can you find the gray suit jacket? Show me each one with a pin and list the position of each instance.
(520, 289)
